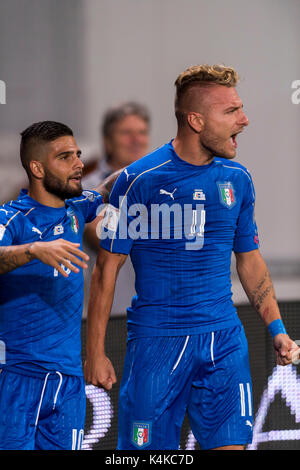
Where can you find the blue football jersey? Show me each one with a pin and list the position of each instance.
(180, 223)
(41, 310)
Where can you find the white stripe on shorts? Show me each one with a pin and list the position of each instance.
(249, 399)
(181, 354)
(212, 348)
(242, 393)
(41, 400)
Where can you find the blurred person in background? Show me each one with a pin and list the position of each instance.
(125, 132)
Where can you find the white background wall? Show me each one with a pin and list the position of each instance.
(136, 49)
(69, 60)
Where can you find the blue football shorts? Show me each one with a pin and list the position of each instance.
(206, 375)
(41, 411)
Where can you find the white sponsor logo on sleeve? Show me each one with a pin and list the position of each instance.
(111, 218)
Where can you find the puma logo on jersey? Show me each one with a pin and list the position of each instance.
(6, 212)
(163, 191)
(248, 423)
(128, 174)
(36, 230)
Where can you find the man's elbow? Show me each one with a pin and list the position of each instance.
(250, 262)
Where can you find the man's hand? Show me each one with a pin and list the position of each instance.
(286, 349)
(100, 372)
(98, 369)
(59, 252)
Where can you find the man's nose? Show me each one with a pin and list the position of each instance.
(78, 163)
(243, 120)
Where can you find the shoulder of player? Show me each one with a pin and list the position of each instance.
(84, 206)
(86, 196)
(235, 167)
(12, 212)
(145, 167)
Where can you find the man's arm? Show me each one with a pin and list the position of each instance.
(12, 257)
(53, 253)
(105, 186)
(98, 369)
(257, 283)
(92, 229)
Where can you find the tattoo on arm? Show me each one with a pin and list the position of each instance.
(28, 254)
(261, 296)
(10, 259)
(105, 188)
(263, 289)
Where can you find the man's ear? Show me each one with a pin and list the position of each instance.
(195, 121)
(37, 169)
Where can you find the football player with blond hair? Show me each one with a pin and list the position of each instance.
(187, 350)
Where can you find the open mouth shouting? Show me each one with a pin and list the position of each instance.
(233, 139)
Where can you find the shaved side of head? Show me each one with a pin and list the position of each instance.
(193, 88)
(194, 99)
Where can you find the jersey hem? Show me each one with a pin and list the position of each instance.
(222, 443)
(144, 332)
(40, 373)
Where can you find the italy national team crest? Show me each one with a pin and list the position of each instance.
(227, 194)
(74, 223)
(141, 434)
(74, 220)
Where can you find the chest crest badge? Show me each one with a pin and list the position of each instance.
(74, 220)
(227, 194)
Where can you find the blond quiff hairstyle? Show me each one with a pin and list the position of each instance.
(204, 75)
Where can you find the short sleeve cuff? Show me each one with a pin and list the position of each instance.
(246, 243)
(116, 246)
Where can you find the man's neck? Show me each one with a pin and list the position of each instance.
(43, 197)
(189, 150)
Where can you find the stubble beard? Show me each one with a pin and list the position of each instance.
(213, 148)
(55, 186)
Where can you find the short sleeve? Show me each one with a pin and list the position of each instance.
(246, 236)
(126, 203)
(88, 204)
(7, 226)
